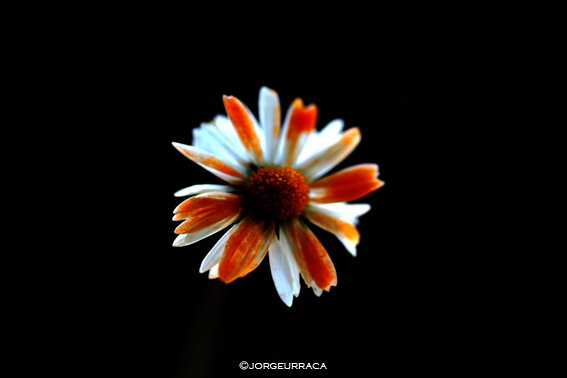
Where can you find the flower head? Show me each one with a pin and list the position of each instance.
(274, 176)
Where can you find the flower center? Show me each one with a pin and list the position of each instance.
(277, 192)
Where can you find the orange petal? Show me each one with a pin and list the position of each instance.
(243, 123)
(245, 248)
(312, 258)
(220, 168)
(300, 123)
(206, 210)
(335, 225)
(347, 185)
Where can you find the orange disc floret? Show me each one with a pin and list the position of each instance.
(277, 192)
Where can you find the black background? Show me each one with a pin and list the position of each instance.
(404, 302)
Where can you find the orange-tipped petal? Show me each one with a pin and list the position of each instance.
(205, 210)
(345, 231)
(245, 248)
(326, 159)
(220, 168)
(244, 125)
(347, 185)
(300, 122)
(312, 258)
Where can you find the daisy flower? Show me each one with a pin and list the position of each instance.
(274, 180)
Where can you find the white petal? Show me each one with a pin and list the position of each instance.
(325, 160)
(281, 271)
(318, 291)
(206, 188)
(214, 272)
(215, 254)
(270, 119)
(286, 242)
(229, 133)
(321, 140)
(209, 138)
(332, 131)
(342, 210)
(350, 246)
(310, 148)
(187, 239)
(203, 139)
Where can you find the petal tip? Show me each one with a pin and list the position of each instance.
(287, 300)
(227, 100)
(266, 90)
(181, 147)
(298, 102)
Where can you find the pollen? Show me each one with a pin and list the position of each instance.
(277, 192)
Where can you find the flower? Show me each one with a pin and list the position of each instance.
(274, 176)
